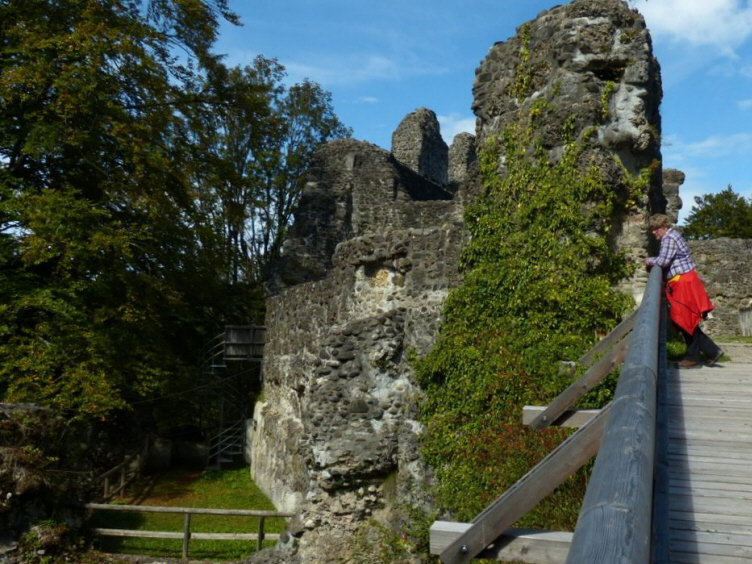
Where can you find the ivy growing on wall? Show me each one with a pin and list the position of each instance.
(539, 285)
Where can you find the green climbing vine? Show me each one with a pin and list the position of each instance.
(606, 93)
(524, 72)
(539, 284)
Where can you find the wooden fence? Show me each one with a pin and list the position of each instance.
(116, 479)
(187, 535)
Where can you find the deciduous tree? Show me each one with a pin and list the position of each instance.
(109, 273)
(725, 214)
(260, 139)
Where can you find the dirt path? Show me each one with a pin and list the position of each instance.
(737, 352)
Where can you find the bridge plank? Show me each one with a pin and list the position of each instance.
(739, 540)
(701, 413)
(709, 521)
(721, 457)
(710, 464)
(725, 452)
(693, 558)
(708, 544)
(515, 545)
(739, 484)
(700, 504)
(720, 392)
(700, 401)
(679, 445)
(729, 426)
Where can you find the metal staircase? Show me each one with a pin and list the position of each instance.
(230, 372)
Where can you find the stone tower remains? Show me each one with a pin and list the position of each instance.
(462, 158)
(590, 65)
(374, 252)
(672, 181)
(366, 268)
(417, 144)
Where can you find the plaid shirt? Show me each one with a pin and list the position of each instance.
(674, 254)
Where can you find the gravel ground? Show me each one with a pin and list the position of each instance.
(737, 352)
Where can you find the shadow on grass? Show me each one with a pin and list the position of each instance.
(228, 489)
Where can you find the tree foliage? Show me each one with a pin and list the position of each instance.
(725, 214)
(260, 140)
(114, 207)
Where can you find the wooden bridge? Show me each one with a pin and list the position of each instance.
(672, 481)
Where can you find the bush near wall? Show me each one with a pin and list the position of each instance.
(540, 273)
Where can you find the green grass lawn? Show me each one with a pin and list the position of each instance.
(734, 339)
(225, 489)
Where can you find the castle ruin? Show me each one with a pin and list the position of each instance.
(374, 252)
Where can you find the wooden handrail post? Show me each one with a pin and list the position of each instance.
(260, 543)
(122, 480)
(581, 387)
(186, 534)
(106, 487)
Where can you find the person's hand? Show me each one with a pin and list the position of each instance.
(647, 263)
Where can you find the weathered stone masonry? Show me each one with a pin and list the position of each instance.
(725, 265)
(374, 251)
(369, 262)
(589, 69)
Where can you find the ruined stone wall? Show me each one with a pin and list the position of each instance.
(334, 436)
(672, 181)
(588, 69)
(417, 144)
(353, 187)
(375, 249)
(462, 159)
(725, 265)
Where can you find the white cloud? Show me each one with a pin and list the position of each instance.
(723, 24)
(336, 70)
(713, 146)
(745, 104)
(355, 69)
(368, 100)
(453, 124)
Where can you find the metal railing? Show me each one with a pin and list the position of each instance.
(227, 360)
(231, 441)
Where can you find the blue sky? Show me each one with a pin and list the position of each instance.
(382, 59)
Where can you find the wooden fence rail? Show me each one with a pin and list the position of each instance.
(187, 535)
(128, 471)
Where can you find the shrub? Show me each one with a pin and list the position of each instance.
(539, 284)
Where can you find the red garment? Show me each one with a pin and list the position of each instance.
(688, 300)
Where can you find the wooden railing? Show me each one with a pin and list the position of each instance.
(186, 534)
(615, 520)
(116, 479)
(615, 523)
